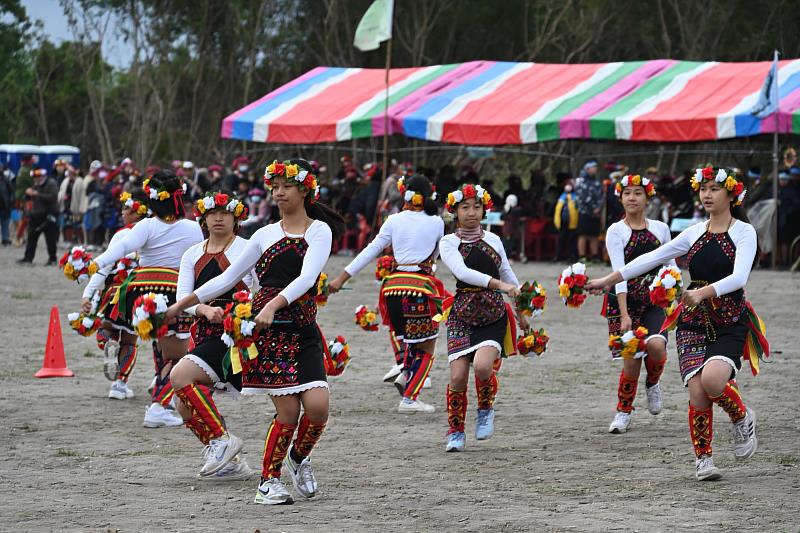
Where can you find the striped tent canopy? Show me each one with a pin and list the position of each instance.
(490, 103)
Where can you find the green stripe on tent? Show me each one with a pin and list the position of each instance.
(603, 126)
(549, 128)
(362, 126)
(795, 122)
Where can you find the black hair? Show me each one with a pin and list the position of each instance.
(739, 213)
(138, 195)
(318, 210)
(422, 185)
(169, 208)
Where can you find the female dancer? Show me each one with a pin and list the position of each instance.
(712, 326)
(628, 305)
(288, 257)
(201, 371)
(477, 324)
(409, 294)
(119, 359)
(160, 241)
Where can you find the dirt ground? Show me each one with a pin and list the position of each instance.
(75, 460)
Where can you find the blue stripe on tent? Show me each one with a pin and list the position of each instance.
(747, 124)
(416, 123)
(243, 124)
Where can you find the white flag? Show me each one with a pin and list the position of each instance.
(375, 26)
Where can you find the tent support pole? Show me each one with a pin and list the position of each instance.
(775, 245)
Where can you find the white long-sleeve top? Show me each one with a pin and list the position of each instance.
(98, 279)
(448, 248)
(741, 233)
(318, 236)
(617, 237)
(413, 236)
(186, 275)
(159, 244)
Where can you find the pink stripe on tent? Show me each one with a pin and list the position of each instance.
(314, 120)
(691, 115)
(576, 124)
(227, 124)
(496, 118)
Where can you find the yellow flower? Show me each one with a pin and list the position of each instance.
(69, 270)
(92, 268)
(271, 167)
(146, 182)
(142, 210)
(163, 195)
(563, 290)
(243, 310)
(201, 207)
(144, 328)
(672, 293)
(292, 171)
(417, 199)
(451, 199)
(124, 197)
(237, 327)
(323, 276)
(238, 210)
(636, 180)
(730, 183)
(695, 185)
(370, 317)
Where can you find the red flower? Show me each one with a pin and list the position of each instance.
(150, 306)
(228, 323)
(708, 173)
(241, 296)
(221, 199)
(737, 190)
(580, 280)
(280, 168)
(659, 296)
(163, 330)
(76, 254)
(569, 281)
(340, 339)
(578, 299)
(469, 191)
(490, 205)
(63, 260)
(538, 302)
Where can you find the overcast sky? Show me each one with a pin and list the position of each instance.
(52, 16)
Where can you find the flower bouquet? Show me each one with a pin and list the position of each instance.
(532, 298)
(666, 288)
(83, 324)
(630, 345)
(533, 342)
(149, 312)
(239, 329)
(383, 267)
(77, 264)
(571, 283)
(339, 356)
(366, 318)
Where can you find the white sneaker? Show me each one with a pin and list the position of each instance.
(745, 441)
(236, 470)
(128, 391)
(655, 401)
(621, 422)
(414, 406)
(272, 491)
(706, 471)
(400, 382)
(110, 362)
(220, 452)
(427, 383)
(393, 373)
(118, 390)
(456, 442)
(302, 476)
(155, 416)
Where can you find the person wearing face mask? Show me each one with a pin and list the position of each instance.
(565, 220)
(240, 171)
(716, 325)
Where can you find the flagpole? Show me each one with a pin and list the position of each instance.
(386, 112)
(776, 96)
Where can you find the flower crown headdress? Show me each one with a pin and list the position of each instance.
(136, 206)
(466, 192)
(636, 179)
(292, 173)
(723, 178)
(411, 197)
(161, 193)
(221, 200)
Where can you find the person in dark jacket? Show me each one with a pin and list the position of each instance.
(44, 216)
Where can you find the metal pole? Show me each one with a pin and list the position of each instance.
(775, 193)
(386, 112)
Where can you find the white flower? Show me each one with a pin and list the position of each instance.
(72, 317)
(360, 307)
(139, 315)
(625, 181)
(153, 194)
(721, 176)
(78, 264)
(316, 191)
(208, 202)
(741, 196)
(301, 176)
(434, 196)
(566, 272)
(579, 268)
(408, 196)
(458, 195)
(129, 203)
(645, 181)
(668, 281)
(627, 337)
(87, 322)
(479, 191)
(247, 327)
(227, 340)
(161, 303)
(232, 205)
(336, 348)
(183, 186)
(698, 176)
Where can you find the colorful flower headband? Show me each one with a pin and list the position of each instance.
(628, 181)
(291, 171)
(161, 193)
(221, 201)
(411, 197)
(465, 192)
(723, 178)
(134, 205)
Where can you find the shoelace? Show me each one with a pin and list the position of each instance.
(305, 473)
(741, 432)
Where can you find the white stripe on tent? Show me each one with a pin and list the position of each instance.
(624, 123)
(726, 122)
(527, 128)
(435, 126)
(343, 130)
(261, 125)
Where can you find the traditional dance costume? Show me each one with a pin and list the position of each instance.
(624, 244)
(479, 317)
(410, 296)
(160, 246)
(723, 328)
(290, 352)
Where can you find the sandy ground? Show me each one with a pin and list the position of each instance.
(75, 460)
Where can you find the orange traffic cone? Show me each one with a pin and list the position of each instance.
(55, 363)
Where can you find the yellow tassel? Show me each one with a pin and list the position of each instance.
(236, 362)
